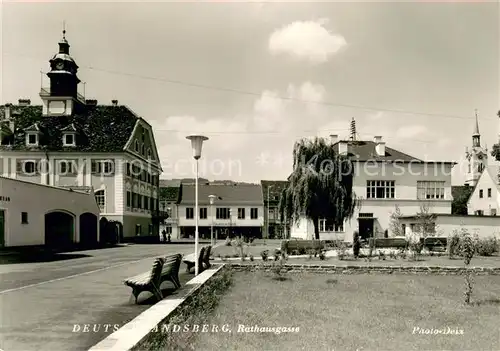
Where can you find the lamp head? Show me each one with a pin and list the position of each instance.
(212, 199)
(196, 144)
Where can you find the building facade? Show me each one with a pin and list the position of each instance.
(274, 228)
(238, 209)
(33, 214)
(73, 142)
(170, 195)
(384, 178)
(485, 198)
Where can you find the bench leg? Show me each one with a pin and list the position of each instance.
(136, 293)
(157, 292)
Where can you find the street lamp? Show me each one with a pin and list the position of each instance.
(230, 222)
(268, 212)
(196, 144)
(212, 200)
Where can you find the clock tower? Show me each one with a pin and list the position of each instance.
(477, 157)
(62, 97)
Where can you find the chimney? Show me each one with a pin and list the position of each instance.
(114, 102)
(8, 117)
(342, 147)
(24, 102)
(91, 102)
(334, 138)
(379, 145)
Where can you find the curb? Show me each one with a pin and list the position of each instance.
(135, 331)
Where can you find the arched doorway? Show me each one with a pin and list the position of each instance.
(88, 229)
(59, 229)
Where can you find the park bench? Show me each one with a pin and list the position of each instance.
(203, 260)
(164, 268)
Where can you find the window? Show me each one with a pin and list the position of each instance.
(327, 225)
(69, 140)
(108, 167)
(149, 153)
(403, 229)
(101, 199)
(493, 212)
(150, 229)
(146, 202)
(189, 213)
(143, 150)
(135, 200)
(380, 189)
(203, 213)
(129, 199)
(254, 213)
(29, 167)
(481, 193)
(222, 213)
(430, 190)
(138, 229)
(468, 168)
(489, 192)
(153, 204)
(95, 167)
(136, 146)
(63, 167)
(241, 213)
(479, 213)
(480, 167)
(24, 217)
(32, 139)
(272, 214)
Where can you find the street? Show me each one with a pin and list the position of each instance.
(44, 304)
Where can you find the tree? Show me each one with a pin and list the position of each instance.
(426, 221)
(461, 195)
(495, 152)
(320, 185)
(395, 222)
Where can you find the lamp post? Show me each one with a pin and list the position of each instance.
(268, 212)
(196, 144)
(230, 222)
(212, 200)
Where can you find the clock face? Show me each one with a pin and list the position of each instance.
(60, 65)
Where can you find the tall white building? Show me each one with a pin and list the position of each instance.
(73, 142)
(477, 157)
(384, 177)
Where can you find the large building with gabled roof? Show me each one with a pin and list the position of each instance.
(383, 178)
(69, 141)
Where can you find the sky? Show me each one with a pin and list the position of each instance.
(256, 77)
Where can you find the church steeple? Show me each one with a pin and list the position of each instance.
(477, 156)
(476, 137)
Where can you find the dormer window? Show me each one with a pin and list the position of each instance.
(149, 153)
(32, 135)
(69, 135)
(136, 146)
(69, 140)
(143, 150)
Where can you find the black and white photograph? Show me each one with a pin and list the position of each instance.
(226, 175)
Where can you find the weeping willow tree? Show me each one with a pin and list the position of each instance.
(320, 186)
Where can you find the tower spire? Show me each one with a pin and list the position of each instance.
(476, 127)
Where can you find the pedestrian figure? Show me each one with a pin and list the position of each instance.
(164, 235)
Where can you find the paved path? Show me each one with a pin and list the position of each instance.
(41, 303)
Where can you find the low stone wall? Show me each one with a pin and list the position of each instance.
(297, 268)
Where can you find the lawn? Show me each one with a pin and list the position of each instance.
(253, 249)
(365, 312)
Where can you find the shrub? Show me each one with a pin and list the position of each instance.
(295, 252)
(277, 254)
(265, 255)
(251, 258)
(467, 249)
(381, 256)
(302, 250)
(356, 244)
(485, 246)
(453, 244)
(322, 255)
